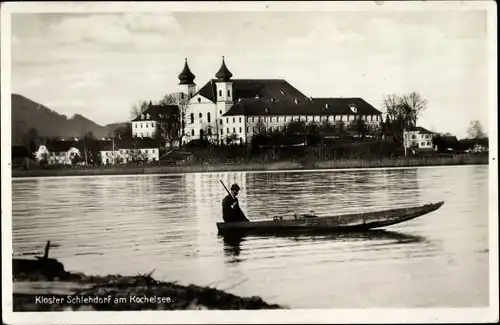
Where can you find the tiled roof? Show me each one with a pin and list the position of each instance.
(186, 77)
(137, 143)
(223, 74)
(271, 89)
(318, 106)
(419, 129)
(155, 110)
(62, 146)
(104, 145)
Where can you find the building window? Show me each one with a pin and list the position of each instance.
(247, 129)
(234, 120)
(191, 117)
(220, 121)
(241, 129)
(220, 93)
(227, 129)
(220, 112)
(192, 132)
(208, 117)
(240, 119)
(227, 119)
(253, 129)
(141, 126)
(277, 119)
(253, 119)
(209, 131)
(199, 99)
(200, 115)
(221, 131)
(228, 93)
(146, 150)
(234, 130)
(182, 95)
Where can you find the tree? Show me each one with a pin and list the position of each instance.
(31, 140)
(232, 138)
(475, 130)
(182, 104)
(326, 126)
(359, 127)
(75, 160)
(261, 127)
(124, 132)
(138, 109)
(413, 106)
(313, 133)
(168, 127)
(340, 127)
(402, 113)
(295, 127)
(92, 153)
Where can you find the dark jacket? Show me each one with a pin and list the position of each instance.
(231, 211)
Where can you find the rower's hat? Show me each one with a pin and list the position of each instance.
(235, 187)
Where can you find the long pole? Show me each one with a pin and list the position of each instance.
(228, 192)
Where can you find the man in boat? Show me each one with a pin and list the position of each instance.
(231, 211)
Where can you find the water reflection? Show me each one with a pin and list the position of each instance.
(235, 240)
(376, 240)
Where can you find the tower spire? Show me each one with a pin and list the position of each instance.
(223, 74)
(186, 77)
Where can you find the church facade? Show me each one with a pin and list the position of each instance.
(234, 110)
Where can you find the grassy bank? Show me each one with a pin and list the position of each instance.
(262, 166)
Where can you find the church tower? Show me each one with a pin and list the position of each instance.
(224, 84)
(186, 81)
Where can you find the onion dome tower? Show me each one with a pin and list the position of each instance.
(186, 81)
(224, 84)
(223, 75)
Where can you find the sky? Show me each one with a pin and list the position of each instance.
(100, 65)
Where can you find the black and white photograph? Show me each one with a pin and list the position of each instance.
(249, 162)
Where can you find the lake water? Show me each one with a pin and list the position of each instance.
(166, 223)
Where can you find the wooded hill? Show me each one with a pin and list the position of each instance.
(27, 114)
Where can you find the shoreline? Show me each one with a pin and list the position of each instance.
(261, 166)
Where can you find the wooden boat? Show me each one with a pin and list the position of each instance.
(346, 222)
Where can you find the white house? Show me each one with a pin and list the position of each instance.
(418, 137)
(121, 151)
(237, 108)
(58, 152)
(146, 124)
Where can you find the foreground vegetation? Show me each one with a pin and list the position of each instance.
(121, 293)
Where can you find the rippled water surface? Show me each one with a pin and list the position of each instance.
(136, 224)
